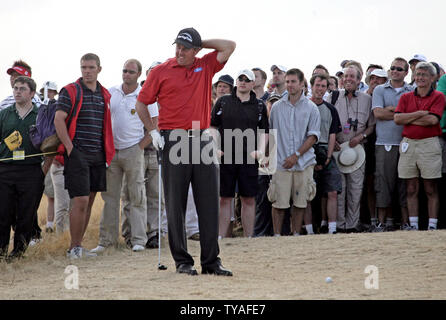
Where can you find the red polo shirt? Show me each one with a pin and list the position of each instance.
(183, 94)
(410, 102)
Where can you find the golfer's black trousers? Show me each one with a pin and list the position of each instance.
(182, 165)
(263, 222)
(21, 189)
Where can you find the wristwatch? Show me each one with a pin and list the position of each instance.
(298, 154)
(364, 136)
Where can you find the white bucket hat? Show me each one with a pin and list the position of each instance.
(349, 159)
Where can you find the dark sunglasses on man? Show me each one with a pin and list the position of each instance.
(397, 68)
(243, 79)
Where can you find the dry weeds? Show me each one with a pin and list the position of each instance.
(412, 265)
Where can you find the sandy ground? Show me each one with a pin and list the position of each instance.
(410, 265)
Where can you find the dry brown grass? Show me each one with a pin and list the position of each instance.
(411, 266)
(57, 244)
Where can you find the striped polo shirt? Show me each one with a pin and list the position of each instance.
(89, 128)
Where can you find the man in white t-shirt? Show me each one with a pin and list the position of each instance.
(130, 141)
(151, 175)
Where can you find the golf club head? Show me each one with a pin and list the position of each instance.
(162, 267)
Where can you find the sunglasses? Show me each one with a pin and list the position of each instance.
(243, 79)
(128, 71)
(397, 68)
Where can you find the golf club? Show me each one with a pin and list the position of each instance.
(160, 266)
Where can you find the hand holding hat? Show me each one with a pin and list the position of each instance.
(349, 159)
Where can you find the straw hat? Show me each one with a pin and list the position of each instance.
(349, 159)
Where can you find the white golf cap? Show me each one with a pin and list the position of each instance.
(278, 66)
(248, 73)
(50, 85)
(418, 57)
(379, 73)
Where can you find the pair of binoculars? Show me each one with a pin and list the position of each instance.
(353, 124)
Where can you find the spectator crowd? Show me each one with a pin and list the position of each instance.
(360, 150)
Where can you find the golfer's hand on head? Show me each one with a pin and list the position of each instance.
(157, 140)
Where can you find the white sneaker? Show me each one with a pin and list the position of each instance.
(79, 253)
(98, 249)
(33, 242)
(137, 248)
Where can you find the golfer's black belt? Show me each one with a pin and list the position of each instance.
(190, 132)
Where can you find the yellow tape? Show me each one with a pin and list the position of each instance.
(32, 155)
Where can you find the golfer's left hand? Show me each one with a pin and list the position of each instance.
(157, 139)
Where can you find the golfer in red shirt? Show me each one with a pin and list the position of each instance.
(182, 88)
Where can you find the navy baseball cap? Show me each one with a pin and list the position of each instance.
(226, 79)
(189, 37)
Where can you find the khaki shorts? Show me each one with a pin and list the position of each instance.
(422, 157)
(296, 185)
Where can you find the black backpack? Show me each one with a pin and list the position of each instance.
(334, 96)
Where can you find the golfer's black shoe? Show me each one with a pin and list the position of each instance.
(218, 270)
(3, 253)
(187, 269)
(152, 243)
(14, 255)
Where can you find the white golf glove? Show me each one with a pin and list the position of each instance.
(157, 140)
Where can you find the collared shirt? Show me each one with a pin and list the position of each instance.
(387, 131)
(9, 101)
(10, 122)
(127, 127)
(89, 126)
(433, 102)
(293, 124)
(363, 87)
(358, 108)
(183, 94)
